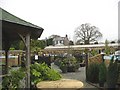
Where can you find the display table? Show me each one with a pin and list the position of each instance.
(60, 84)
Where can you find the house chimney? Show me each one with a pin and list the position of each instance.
(66, 36)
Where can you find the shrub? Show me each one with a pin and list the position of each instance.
(94, 52)
(102, 72)
(58, 60)
(64, 62)
(107, 48)
(13, 80)
(41, 72)
(63, 65)
(79, 57)
(71, 64)
(93, 73)
(112, 74)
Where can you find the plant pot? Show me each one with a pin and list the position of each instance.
(71, 68)
(64, 69)
(101, 84)
(82, 65)
(111, 86)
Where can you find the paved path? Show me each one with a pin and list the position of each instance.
(79, 75)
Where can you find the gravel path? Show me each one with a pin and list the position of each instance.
(79, 75)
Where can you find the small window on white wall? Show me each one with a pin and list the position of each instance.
(62, 42)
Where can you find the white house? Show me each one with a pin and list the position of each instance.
(60, 41)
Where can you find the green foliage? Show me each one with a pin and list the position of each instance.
(37, 44)
(94, 52)
(63, 62)
(118, 73)
(35, 49)
(12, 48)
(78, 56)
(102, 72)
(13, 80)
(93, 73)
(41, 72)
(21, 45)
(107, 48)
(63, 65)
(70, 63)
(49, 41)
(112, 73)
(17, 45)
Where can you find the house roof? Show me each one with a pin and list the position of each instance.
(59, 38)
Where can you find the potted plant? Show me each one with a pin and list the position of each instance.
(42, 72)
(102, 74)
(72, 64)
(63, 65)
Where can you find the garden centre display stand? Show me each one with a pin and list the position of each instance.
(60, 84)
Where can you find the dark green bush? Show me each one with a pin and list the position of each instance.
(93, 73)
(41, 72)
(118, 73)
(102, 72)
(112, 74)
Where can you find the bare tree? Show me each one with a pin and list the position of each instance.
(86, 33)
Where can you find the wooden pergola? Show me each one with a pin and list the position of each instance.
(13, 28)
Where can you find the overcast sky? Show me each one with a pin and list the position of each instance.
(61, 17)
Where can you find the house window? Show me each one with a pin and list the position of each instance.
(56, 42)
(62, 41)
